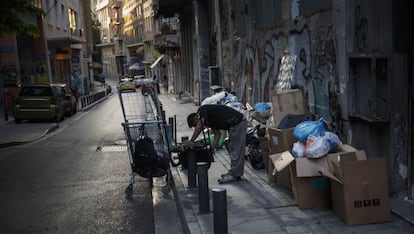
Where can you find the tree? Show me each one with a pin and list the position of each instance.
(14, 15)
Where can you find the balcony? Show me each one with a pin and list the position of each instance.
(65, 37)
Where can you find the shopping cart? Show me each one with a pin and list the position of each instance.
(144, 128)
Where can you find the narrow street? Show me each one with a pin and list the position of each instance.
(73, 180)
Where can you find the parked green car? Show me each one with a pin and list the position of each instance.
(42, 102)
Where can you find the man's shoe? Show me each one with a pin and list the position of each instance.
(225, 174)
(228, 179)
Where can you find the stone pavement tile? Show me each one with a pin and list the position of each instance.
(403, 208)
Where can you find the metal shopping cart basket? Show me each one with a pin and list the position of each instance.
(144, 128)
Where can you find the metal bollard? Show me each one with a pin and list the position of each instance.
(191, 167)
(203, 191)
(163, 117)
(171, 123)
(220, 211)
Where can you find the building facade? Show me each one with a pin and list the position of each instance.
(61, 52)
(132, 38)
(64, 28)
(108, 14)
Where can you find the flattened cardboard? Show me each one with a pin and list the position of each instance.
(281, 160)
(287, 102)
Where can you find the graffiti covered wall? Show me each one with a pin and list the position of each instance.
(329, 39)
(256, 60)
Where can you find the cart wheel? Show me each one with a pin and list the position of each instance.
(166, 189)
(128, 190)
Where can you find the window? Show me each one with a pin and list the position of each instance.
(72, 19)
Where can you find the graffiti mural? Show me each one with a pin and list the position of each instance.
(257, 69)
(317, 71)
(257, 64)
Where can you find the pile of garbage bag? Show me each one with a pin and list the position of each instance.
(313, 140)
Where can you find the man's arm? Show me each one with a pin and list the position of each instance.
(197, 130)
(217, 135)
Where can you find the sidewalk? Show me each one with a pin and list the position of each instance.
(253, 205)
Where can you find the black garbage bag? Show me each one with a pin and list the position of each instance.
(254, 156)
(147, 161)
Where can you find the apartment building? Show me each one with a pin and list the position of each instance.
(133, 15)
(65, 36)
(57, 55)
(130, 35)
(109, 16)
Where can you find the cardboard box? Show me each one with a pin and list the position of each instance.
(359, 188)
(310, 191)
(287, 102)
(309, 187)
(283, 179)
(280, 139)
(281, 174)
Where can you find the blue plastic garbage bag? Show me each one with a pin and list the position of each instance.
(309, 128)
(261, 106)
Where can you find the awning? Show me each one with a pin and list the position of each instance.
(156, 61)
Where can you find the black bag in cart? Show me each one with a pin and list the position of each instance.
(147, 161)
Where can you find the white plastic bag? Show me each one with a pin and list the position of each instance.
(318, 148)
(298, 150)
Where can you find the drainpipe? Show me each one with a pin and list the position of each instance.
(410, 139)
(49, 67)
(218, 38)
